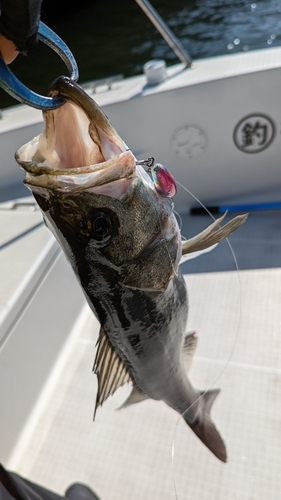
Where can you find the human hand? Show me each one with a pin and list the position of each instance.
(8, 49)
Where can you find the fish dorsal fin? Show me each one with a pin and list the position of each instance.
(189, 347)
(212, 235)
(136, 396)
(109, 368)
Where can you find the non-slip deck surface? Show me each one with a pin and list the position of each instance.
(128, 454)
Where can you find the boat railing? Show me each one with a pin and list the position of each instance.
(107, 81)
(165, 31)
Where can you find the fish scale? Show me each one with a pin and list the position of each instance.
(118, 231)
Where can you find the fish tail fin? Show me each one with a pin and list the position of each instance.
(205, 429)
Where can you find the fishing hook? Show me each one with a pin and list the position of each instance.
(149, 162)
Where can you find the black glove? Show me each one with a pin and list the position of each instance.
(19, 22)
(14, 487)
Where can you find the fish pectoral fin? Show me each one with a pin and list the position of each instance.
(205, 429)
(110, 370)
(189, 347)
(136, 396)
(212, 235)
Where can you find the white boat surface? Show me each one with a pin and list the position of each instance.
(48, 334)
(200, 118)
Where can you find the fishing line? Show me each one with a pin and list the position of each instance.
(236, 331)
(179, 221)
(145, 162)
(231, 350)
(148, 163)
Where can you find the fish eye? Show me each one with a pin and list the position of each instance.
(101, 226)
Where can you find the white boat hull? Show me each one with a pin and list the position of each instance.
(197, 123)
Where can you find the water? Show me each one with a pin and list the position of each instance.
(112, 37)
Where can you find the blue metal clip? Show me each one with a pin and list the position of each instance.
(16, 89)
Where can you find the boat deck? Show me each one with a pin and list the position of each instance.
(127, 454)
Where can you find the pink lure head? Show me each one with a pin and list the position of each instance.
(163, 181)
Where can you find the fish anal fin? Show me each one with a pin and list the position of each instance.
(136, 396)
(110, 370)
(205, 429)
(189, 347)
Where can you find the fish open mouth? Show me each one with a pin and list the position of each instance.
(79, 149)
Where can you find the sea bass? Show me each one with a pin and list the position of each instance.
(118, 231)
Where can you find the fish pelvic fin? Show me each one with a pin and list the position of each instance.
(136, 396)
(189, 347)
(205, 429)
(211, 235)
(110, 370)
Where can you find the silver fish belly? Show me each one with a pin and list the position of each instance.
(123, 242)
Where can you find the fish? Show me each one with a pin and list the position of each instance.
(115, 222)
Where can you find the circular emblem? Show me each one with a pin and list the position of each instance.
(254, 133)
(188, 141)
